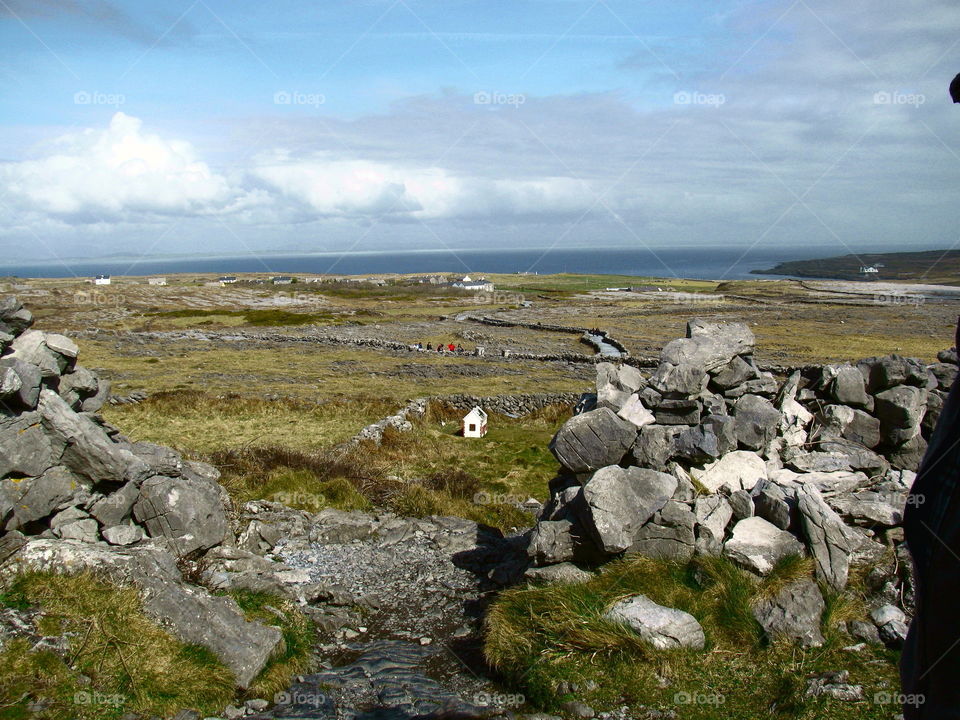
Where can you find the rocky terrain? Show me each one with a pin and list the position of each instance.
(706, 455)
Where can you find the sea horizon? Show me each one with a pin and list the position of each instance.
(706, 263)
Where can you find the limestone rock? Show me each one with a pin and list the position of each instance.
(758, 546)
(738, 470)
(621, 500)
(592, 440)
(664, 628)
(187, 512)
(829, 540)
(793, 613)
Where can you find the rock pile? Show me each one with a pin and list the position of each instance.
(709, 455)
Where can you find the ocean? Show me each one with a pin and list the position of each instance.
(707, 263)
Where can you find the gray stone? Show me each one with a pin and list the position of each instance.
(655, 445)
(714, 513)
(793, 613)
(664, 628)
(117, 506)
(551, 541)
(734, 373)
(684, 380)
(849, 388)
(908, 455)
(122, 534)
(865, 631)
(31, 348)
(633, 411)
(757, 421)
(25, 449)
(871, 509)
(161, 460)
(612, 397)
(900, 410)
(668, 535)
(945, 373)
(854, 425)
(829, 540)
(738, 470)
(758, 545)
(96, 401)
(188, 512)
(891, 370)
(82, 530)
(10, 382)
(765, 386)
(565, 573)
(42, 496)
(621, 500)
(771, 504)
(678, 412)
(28, 393)
(742, 505)
(89, 452)
(592, 440)
(715, 437)
(61, 344)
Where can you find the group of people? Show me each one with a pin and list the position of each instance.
(449, 347)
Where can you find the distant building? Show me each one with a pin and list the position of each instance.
(101, 280)
(467, 283)
(474, 423)
(282, 280)
(869, 272)
(227, 280)
(157, 281)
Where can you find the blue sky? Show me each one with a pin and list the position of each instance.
(234, 127)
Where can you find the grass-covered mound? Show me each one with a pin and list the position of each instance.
(539, 637)
(116, 660)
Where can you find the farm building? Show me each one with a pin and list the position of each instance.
(468, 283)
(101, 280)
(227, 280)
(157, 281)
(282, 280)
(474, 423)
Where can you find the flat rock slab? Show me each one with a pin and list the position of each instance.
(592, 440)
(758, 545)
(664, 628)
(621, 500)
(738, 470)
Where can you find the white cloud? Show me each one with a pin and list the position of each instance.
(114, 172)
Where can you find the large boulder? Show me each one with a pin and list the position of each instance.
(830, 541)
(31, 348)
(621, 500)
(664, 628)
(668, 535)
(851, 424)
(39, 497)
(25, 449)
(891, 370)
(27, 393)
(714, 437)
(592, 440)
(793, 613)
(714, 513)
(758, 545)
(757, 421)
(88, 451)
(655, 445)
(679, 380)
(186, 511)
(734, 373)
(900, 410)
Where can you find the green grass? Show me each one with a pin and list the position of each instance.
(298, 636)
(540, 636)
(118, 661)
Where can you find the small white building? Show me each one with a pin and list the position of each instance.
(101, 280)
(282, 280)
(227, 280)
(157, 281)
(474, 423)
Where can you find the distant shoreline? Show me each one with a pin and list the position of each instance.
(930, 266)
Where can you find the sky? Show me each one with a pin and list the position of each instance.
(233, 127)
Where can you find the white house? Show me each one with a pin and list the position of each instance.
(101, 280)
(227, 280)
(157, 281)
(282, 280)
(474, 423)
(868, 270)
(467, 283)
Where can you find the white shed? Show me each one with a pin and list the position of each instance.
(474, 423)
(101, 280)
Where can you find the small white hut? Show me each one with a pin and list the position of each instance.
(474, 423)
